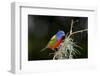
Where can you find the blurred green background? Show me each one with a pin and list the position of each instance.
(41, 28)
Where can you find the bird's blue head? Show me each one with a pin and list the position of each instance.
(60, 34)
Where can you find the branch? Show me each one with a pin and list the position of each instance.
(71, 26)
(79, 31)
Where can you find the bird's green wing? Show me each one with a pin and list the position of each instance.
(52, 40)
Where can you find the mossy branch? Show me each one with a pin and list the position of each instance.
(68, 45)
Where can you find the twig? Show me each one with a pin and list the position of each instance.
(71, 33)
(72, 22)
(54, 57)
(78, 32)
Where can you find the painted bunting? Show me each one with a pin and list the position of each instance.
(55, 40)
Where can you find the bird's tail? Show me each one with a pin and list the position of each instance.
(43, 49)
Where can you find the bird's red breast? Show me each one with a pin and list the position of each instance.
(55, 44)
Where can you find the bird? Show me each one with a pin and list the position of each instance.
(55, 40)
